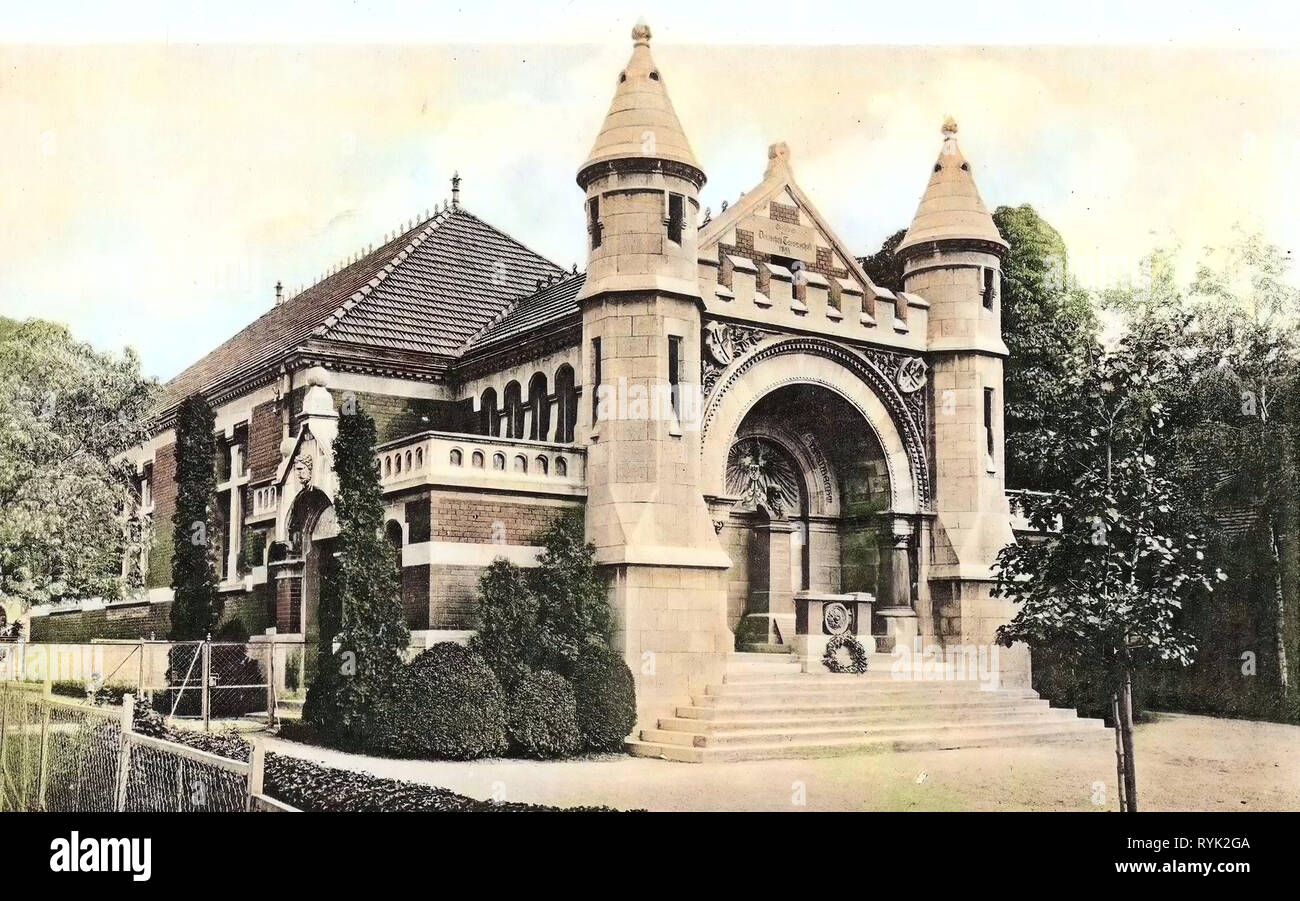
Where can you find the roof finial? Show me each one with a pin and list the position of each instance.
(279, 292)
(455, 190)
(641, 33)
(950, 127)
(778, 157)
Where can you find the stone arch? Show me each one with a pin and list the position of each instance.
(814, 361)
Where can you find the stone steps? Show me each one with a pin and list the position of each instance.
(765, 708)
(895, 707)
(735, 735)
(1002, 735)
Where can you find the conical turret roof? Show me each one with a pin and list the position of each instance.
(641, 123)
(951, 208)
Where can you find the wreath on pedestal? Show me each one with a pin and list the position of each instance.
(857, 663)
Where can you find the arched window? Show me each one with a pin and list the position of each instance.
(456, 458)
(561, 466)
(538, 401)
(521, 463)
(393, 532)
(499, 461)
(489, 423)
(542, 466)
(566, 404)
(419, 457)
(388, 466)
(477, 459)
(514, 404)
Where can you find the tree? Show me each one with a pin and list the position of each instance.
(506, 633)
(196, 606)
(1103, 589)
(883, 267)
(66, 412)
(363, 633)
(572, 611)
(1048, 327)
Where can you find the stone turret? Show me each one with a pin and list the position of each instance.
(641, 351)
(952, 256)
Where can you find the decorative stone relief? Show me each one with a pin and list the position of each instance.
(724, 342)
(761, 476)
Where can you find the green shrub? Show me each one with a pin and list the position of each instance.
(446, 704)
(543, 716)
(606, 699)
(506, 636)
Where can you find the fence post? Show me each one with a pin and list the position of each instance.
(205, 694)
(4, 730)
(256, 763)
(124, 752)
(270, 679)
(140, 682)
(43, 759)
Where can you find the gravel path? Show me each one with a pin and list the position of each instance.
(1184, 763)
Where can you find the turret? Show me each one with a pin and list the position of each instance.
(641, 330)
(642, 183)
(952, 257)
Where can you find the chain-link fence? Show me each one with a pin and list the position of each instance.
(201, 680)
(58, 755)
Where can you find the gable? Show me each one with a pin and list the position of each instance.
(773, 259)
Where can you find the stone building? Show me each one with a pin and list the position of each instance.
(746, 419)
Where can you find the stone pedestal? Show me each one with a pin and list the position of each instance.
(814, 628)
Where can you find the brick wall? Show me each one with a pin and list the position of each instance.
(453, 596)
(264, 442)
(415, 596)
(143, 620)
(475, 520)
(396, 417)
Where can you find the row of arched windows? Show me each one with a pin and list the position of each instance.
(542, 417)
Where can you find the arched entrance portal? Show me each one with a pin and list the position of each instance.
(810, 504)
(311, 532)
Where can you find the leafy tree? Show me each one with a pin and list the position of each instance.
(883, 267)
(507, 633)
(363, 633)
(1102, 591)
(1048, 327)
(66, 412)
(572, 611)
(196, 606)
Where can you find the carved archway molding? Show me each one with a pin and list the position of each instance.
(852, 376)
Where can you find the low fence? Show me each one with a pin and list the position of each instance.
(203, 680)
(58, 755)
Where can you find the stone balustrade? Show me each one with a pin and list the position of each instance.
(478, 461)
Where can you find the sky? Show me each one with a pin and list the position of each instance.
(165, 166)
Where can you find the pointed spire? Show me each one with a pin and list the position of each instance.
(951, 208)
(641, 122)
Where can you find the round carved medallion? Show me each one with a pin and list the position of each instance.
(835, 617)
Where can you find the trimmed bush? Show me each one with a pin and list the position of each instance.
(446, 704)
(543, 716)
(606, 699)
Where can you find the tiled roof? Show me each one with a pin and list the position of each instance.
(425, 291)
(550, 304)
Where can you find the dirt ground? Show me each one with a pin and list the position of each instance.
(1183, 762)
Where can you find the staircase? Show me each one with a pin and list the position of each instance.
(766, 708)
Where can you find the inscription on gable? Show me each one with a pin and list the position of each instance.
(784, 239)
